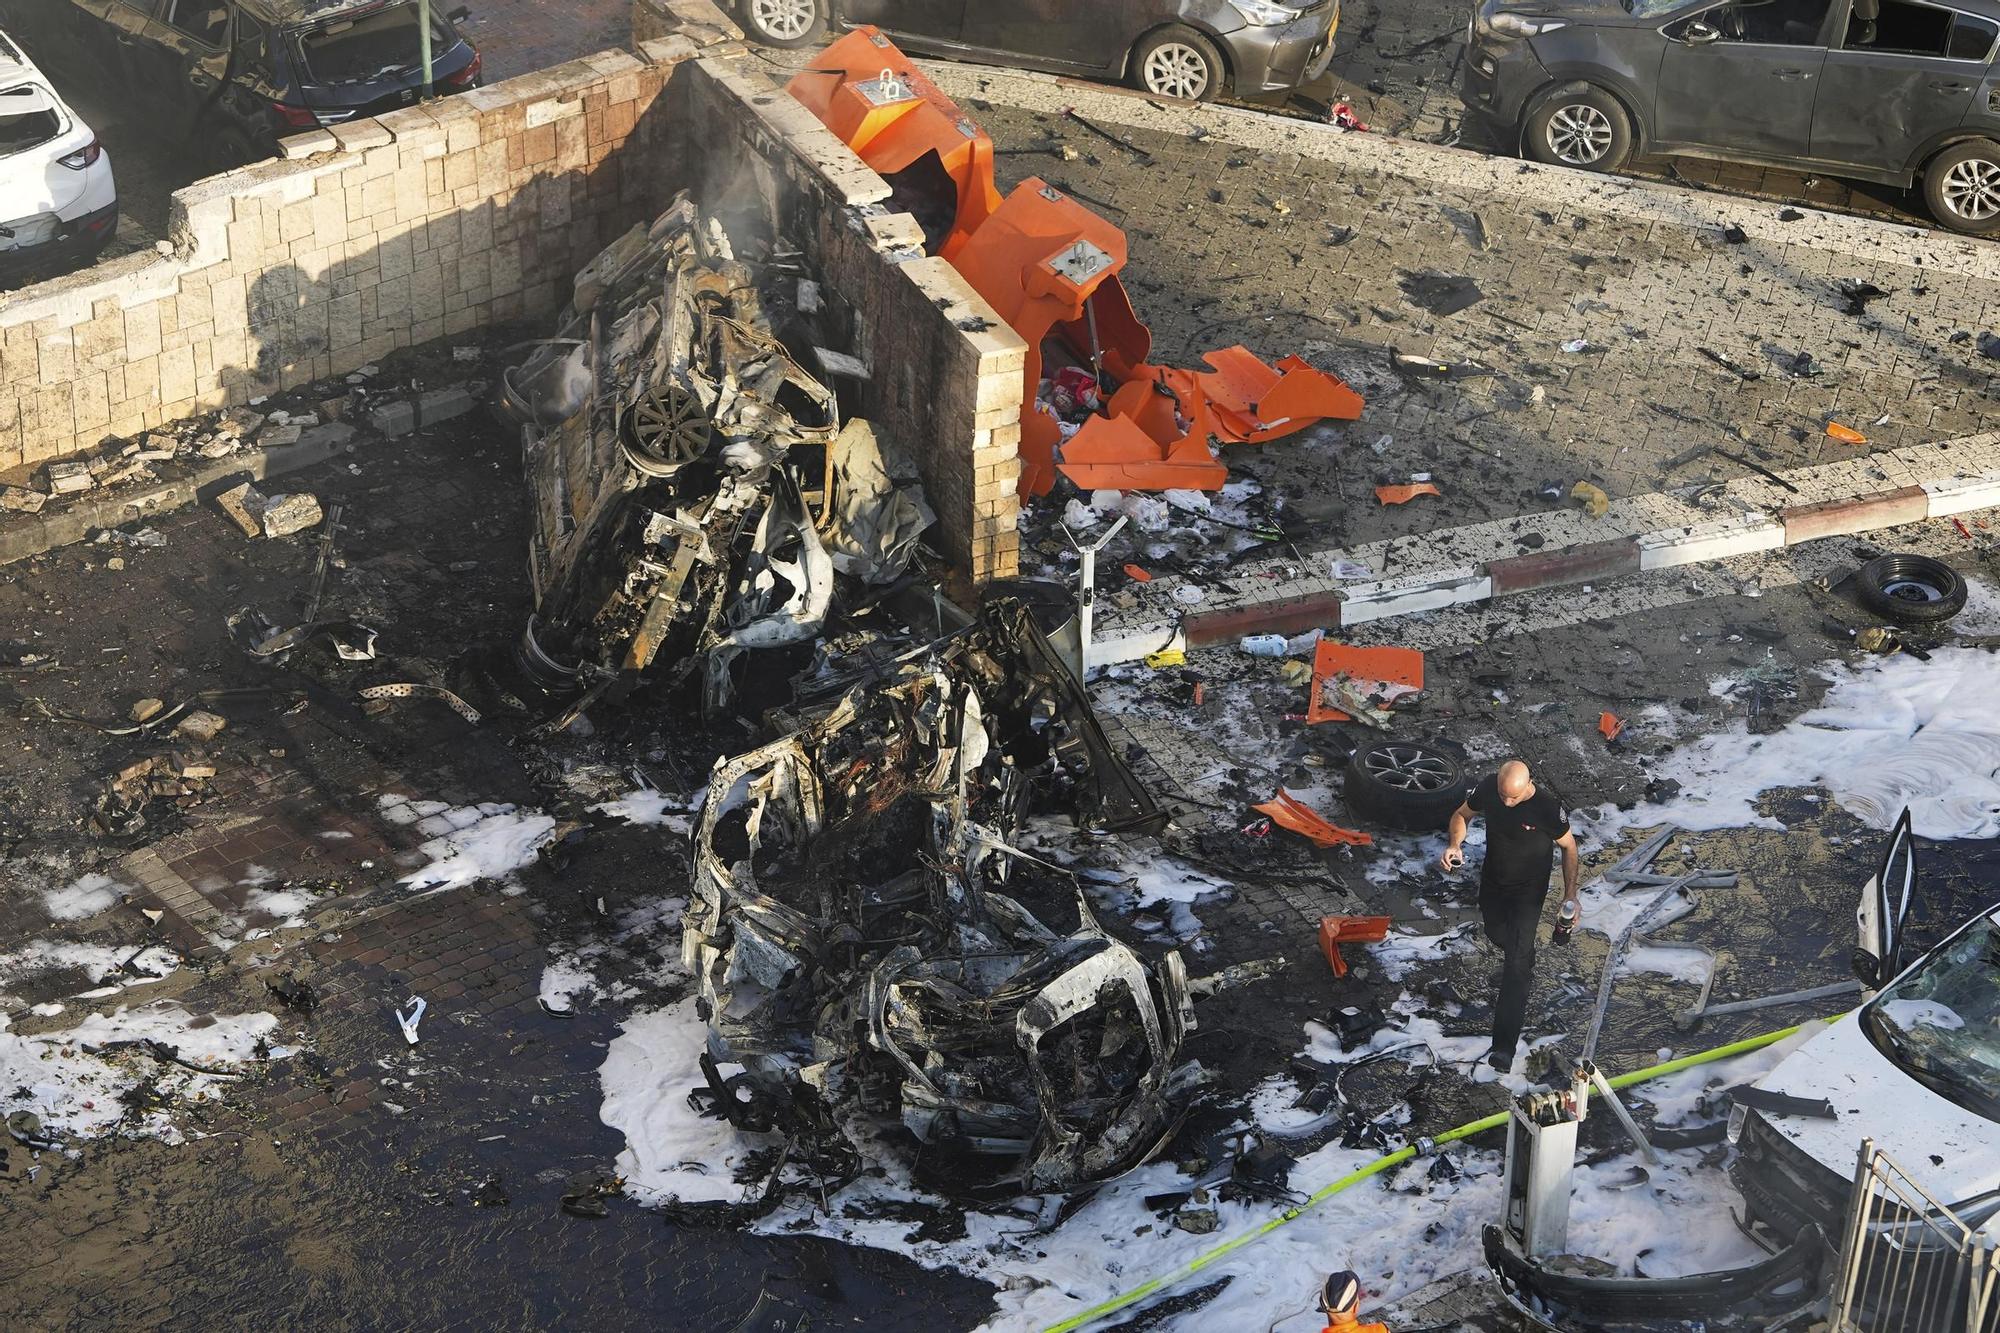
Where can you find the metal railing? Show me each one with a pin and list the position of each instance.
(1908, 1264)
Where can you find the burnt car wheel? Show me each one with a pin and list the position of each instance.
(1178, 62)
(1912, 589)
(1404, 784)
(1962, 187)
(1580, 126)
(666, 428)
(783, 22)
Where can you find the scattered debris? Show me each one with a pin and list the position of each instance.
(1406, 492)
(1610, 726)
(1855, 295)
(1289, 812)
(1592, 498)
(408, 1021)
(284, 515)
(1341, 116)
(1335, 931)
(201, 726)
(1845, 434)
(1441, 293)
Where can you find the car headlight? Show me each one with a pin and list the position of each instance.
(1263, 13)
(1516, 25)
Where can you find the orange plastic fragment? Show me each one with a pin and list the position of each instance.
(1609, 725)
(1389, 666)
(1403, 494)
(1289, 812)
(1137, 575)
(1337, 930)
(1845, 434)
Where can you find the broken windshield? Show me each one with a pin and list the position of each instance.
(27, 118)
(384, 42)
(1941, 1023)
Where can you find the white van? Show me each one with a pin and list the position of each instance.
(58, 203)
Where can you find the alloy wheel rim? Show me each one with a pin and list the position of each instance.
(1579, 134)
(1176, 70)
(1406, 768)
(787, 19)
(1971, 189)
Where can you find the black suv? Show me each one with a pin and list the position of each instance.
(236, 76)
(1890, 91)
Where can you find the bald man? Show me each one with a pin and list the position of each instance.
(1524, 825)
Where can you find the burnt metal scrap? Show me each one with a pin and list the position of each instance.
(658, 429)
(861, 929)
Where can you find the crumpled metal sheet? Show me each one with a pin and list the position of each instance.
(873, 524)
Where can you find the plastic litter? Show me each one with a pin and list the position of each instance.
(1137, 574)
(1577, 346)
(1289, 812)
(1609, 726)
(1845, 434)
(1335, 931)
(1166, 657)
(1263, 645)
(408, 1022)
(1594, 501)
(1341, 116)
(1408, 491)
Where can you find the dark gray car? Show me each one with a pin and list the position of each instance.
(1891, 91)
(1176, 48)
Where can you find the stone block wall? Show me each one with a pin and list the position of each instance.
(370, 236)
(479, 209)
(944, 374)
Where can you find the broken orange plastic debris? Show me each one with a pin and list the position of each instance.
(1845, 434)
(1137, 574)
(1335, 931)
(1389, 666)
(1049, 268)
(1289, 812)
(1403, 494)
(1609, 725)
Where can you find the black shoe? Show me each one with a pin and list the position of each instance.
(1500, 1062)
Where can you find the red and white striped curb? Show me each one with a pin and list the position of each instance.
(1492, 561)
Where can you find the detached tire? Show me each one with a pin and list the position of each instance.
(1178, 62)
(1582, 126)
(1910, 589)
(1410, 785)
(1962, 188)
(787, 23)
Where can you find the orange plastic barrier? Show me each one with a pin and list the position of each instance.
(1391, 666)
(1049, 267)
(1289, 812)
(1337, 930)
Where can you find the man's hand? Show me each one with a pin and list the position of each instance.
(1453, 858)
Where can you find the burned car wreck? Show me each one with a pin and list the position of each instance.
(868, 944)
(665, 430)
(856, 938)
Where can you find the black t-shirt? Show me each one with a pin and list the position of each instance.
(1520, 839)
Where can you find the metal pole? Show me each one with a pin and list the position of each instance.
(1604, 1090)
(424, 37)
(1086, 593)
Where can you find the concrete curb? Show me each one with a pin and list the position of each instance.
(1461, 170)
(1562, 548)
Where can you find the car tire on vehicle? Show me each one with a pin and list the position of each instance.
(1910, 589)
(1405, 784)
(1579, 125)
(1962, 187)
(784, 22)
(1178, 62)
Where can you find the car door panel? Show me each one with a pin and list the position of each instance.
(1738, 94)
(1061, 33)
(190, 72)
(937, 21)
(1893, 87)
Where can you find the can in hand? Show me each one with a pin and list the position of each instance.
(1565, 923)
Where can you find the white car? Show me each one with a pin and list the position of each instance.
(1916, 1069)
(58, 202)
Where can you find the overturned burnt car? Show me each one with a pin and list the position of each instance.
(665, 431)
(855, 928)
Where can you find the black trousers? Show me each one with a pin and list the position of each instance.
(1510, 915)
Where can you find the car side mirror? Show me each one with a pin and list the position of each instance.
(1700, 34)
(1867, 968)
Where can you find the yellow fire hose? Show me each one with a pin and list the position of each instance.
(1379, 1165)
